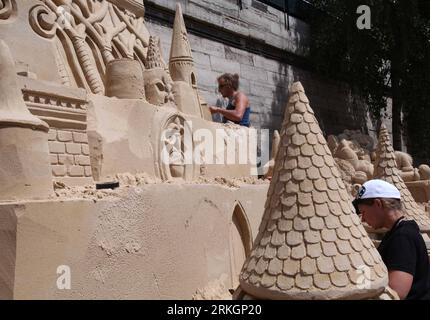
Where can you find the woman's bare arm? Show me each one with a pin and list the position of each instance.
(241, 102)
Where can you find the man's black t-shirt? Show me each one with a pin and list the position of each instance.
(403, 249)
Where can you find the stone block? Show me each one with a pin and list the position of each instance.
(52, 135)
(87, 171)
(223, 65)
(237, 55)
(59, 171)
(64, 136)
(66, 159)
(260, 90)
(253, 73)
(73, 148)
(56, 147)
(207, 79)
(80, 137)
(201, 60)
(212, 48)
(82, 160)
(76, 171)
(54, 158)
(85, 149)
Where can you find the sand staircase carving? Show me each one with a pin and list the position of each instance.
(311, 244)
(386, 169)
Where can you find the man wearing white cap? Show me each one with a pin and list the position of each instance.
(402, 249)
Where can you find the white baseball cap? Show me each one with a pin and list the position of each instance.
(376, 188)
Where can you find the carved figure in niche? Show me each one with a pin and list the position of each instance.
(174, 148)
(158, 83)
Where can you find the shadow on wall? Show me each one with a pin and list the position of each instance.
(335, 107)
(282, 82)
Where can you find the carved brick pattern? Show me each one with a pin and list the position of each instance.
(69, 153)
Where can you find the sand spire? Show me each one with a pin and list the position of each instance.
(154, 59)
(386, 169)
(180, 49)
(311, 244)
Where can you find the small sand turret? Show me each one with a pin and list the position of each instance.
(24, 156)
(386, 169)
(181, 66)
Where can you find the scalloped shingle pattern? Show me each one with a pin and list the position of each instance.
(386, 169)
(311, 244)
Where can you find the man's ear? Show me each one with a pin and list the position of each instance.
(379, 203)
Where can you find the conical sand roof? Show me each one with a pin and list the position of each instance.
(154, 59)
(386, 169)
(311, 244)
(180, 49)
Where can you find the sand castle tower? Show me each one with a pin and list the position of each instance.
(311, 244)
(386, 169)
(158, 83)
(153, 57)
(24, 155)
(181, 66)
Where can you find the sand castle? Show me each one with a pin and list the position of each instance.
(89, 103)
(386, 169)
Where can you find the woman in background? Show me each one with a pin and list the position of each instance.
(238, 110)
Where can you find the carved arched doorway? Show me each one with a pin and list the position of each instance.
(174, 138)
(240, 242)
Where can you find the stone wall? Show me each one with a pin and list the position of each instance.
(264, 78)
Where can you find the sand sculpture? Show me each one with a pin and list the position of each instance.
(311, 244)
(386, 169)
(181, 69)
(363, 141)
(24, 161)
(355, 156)
(93, 101)
(158, 83)
(275, 147)
(352, 153)
(404, 163)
